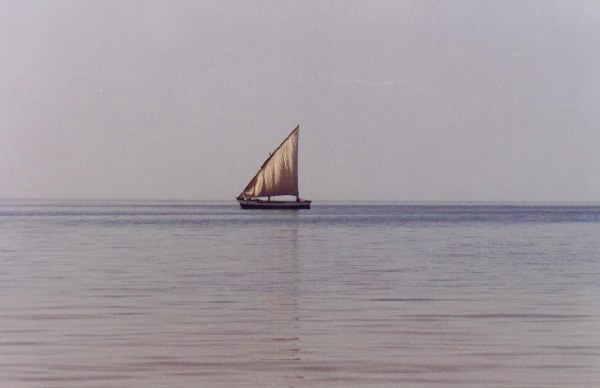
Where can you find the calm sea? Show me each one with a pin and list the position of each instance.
(202, 294)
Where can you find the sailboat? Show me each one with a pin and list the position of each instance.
(277, 176)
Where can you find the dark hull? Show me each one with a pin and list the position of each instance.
(258, 204)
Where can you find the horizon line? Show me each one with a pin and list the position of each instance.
(413, 201)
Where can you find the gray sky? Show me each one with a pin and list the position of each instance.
(398, 100)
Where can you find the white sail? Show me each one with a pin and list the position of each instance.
(279, 173)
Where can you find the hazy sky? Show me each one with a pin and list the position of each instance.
(396, 100)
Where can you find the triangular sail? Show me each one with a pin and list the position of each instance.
(279, 173)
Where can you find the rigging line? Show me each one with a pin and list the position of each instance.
(356, 81)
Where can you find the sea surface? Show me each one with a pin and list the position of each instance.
(204, 294)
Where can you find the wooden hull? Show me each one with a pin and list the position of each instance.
(259, 204)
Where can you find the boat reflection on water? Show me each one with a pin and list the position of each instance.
(279, 304)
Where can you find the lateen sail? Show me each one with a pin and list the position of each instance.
(279, 173)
